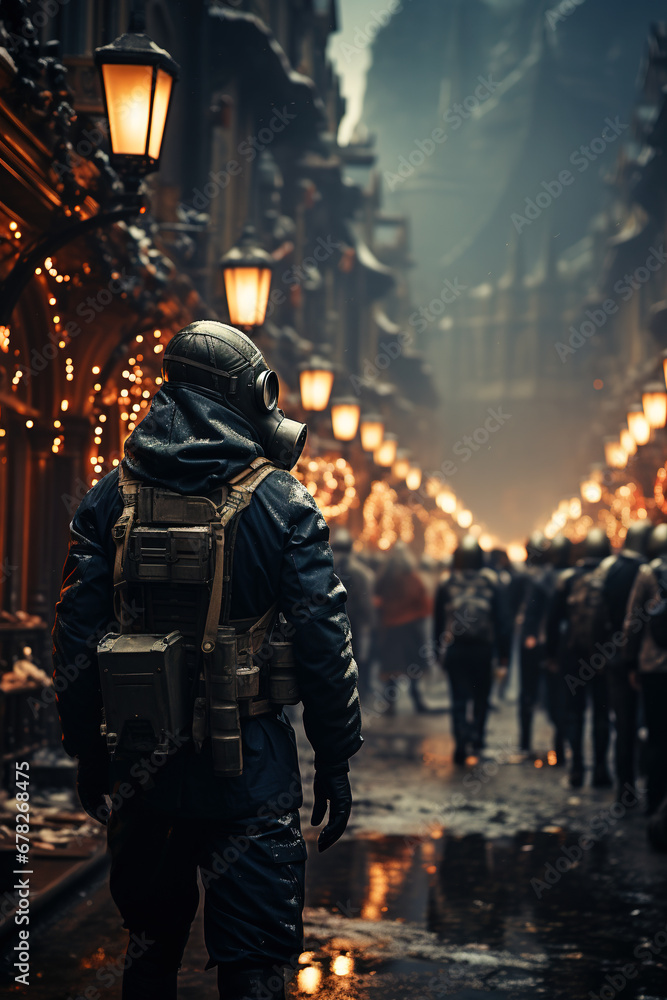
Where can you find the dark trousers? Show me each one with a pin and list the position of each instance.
(654, 698)
(470, 676)
(253, 875)
(623, 701)
(576, 701)
(530, 663)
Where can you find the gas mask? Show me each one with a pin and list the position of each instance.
(222, 363)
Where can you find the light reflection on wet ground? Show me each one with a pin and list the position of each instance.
(486, 904)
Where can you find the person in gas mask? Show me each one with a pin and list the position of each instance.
(221, 792)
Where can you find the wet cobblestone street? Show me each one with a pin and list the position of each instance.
(450, 882)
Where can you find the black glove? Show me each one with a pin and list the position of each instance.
(92, 784)
(331, 785)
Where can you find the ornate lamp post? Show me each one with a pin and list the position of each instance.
(247, 270)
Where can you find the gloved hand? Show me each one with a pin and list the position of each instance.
(92, 783)
(332, 787)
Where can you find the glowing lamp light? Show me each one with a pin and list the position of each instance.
(137, 80)
(385, 455)
(591, 491)
(316, 382)
(638, 425)
(615, 454)
(247, 269)
(516, 552)
(345, 415)
(654, 401)
(628, 442)
(464, 518)
(413, 480)
(401, 466)
(372, 431)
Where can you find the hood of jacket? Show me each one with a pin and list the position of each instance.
(189, 443)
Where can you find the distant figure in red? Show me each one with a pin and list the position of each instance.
(404, 608)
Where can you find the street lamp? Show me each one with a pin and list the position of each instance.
(628, 442)
(654, 401)
(345, 418)
(137, 80)
(247, 270)
(413, 480)
(385, 454)
(591, 491)
(372, 431)
(615, 454)
(401, 465)
(638, 425)
(316, 381)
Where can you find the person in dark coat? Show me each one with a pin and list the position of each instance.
(571, 646)
(359, 581)
(471, 626)
(621, 572)
(175, 814)
(530, 619)
(645, 654)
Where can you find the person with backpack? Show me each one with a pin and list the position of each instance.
(620, 570)
(645, 656)
(577, 621)
(198, 598)
(536, 589)
(472, 625)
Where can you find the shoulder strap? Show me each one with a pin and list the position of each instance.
(128, 489)
(242, 488)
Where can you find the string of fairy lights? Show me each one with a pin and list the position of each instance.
(432, 509)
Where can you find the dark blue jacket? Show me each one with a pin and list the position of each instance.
(191, 444)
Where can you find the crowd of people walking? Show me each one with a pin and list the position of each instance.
(583, 627)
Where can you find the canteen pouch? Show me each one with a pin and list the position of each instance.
(224, 723)
(283, 687)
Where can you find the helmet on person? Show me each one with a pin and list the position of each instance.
(597, 545)
(469, 554)
(657, 545)
(560, 551)
(223, 364)
(638, 536)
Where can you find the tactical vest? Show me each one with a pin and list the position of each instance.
(179, 669)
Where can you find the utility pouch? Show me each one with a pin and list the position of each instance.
(145, 692)
(283, 687)
(224, 724)
(168, 555)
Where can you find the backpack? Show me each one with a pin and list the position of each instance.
(469, 613)
(658, 613)
(588, 610)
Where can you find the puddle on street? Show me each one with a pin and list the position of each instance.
(446, 916)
